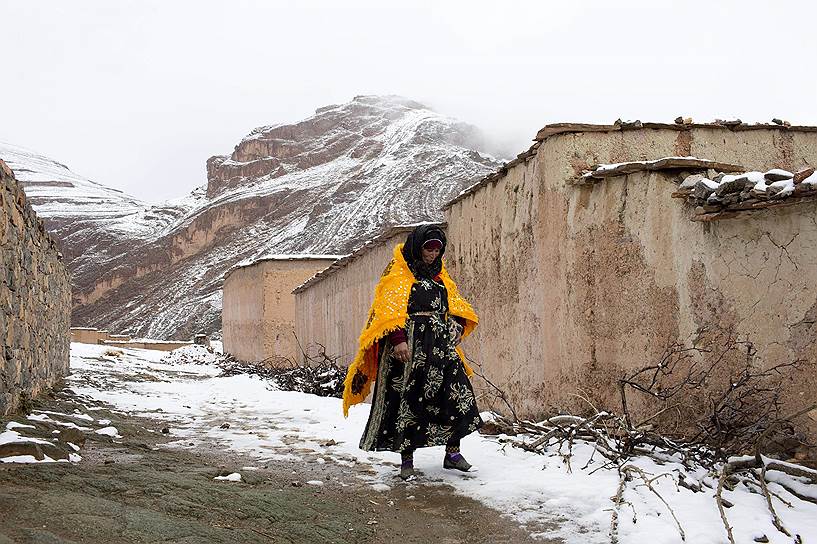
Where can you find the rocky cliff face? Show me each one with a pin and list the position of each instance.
(323, 185)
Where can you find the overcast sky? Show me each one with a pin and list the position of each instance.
(137, 95)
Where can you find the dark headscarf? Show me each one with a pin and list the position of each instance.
(413, 251)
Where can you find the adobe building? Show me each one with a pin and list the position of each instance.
(92, 335)
(591, 252)
(332, 306)
(258, 313)
(35, 301)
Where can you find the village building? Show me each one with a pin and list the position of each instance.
(331, 307)
(92, 335)
(258, 315)
(591, 253)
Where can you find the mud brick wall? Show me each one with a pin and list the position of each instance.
(576, 285)
(35, 301)
(331, 309)
(258, 315)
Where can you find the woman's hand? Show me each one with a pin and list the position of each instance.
(456, 330)
(401, 352)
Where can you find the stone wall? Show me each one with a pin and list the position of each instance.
(575, 285)
(332, 307)
(258, 314)
(35, 301)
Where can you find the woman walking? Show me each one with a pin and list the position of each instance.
(409, 349)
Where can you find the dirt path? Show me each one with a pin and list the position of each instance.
(139, 489)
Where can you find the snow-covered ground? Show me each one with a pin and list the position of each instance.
(537, 491)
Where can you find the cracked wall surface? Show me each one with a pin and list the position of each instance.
(493, 255)
(575, 285)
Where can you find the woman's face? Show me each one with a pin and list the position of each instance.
(430, 254)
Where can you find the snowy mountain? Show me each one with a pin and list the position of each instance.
(93, 223)
(323, 185)
(57, 191)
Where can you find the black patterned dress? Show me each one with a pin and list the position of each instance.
(428, 401)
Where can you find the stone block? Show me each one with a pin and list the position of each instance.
(702, 190)
(73, 436)
(12, 449)
(800, 175)
(736, 185)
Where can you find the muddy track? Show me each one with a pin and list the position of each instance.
(143, 489)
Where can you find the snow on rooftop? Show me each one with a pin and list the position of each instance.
(730, 195)
(283, 257)
(679, 124)
(665, 163)
(297, 257)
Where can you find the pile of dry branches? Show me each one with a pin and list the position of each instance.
(717, 409)
(720, 397)
(317, 374)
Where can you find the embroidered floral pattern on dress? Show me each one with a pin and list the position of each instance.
(429, 400)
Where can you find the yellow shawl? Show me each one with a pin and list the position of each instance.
(389, 312)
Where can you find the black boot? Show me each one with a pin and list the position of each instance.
(407, 465)
(456, 461)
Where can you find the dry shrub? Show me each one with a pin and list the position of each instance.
(720, 394)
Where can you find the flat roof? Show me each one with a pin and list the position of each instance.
(283, 257)
(555, 129)
(343, 262)
(736, 125)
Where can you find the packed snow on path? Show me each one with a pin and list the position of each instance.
(536, 491)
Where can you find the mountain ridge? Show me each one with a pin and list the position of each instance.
(323, 185)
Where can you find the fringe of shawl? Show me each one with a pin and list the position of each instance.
(388, 313)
